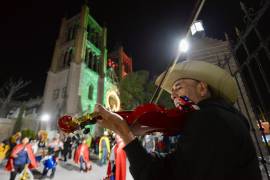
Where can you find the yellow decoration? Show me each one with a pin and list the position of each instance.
(107, 141)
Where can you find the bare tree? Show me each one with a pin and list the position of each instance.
(9, 91)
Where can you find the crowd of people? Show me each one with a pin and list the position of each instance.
(22, 154)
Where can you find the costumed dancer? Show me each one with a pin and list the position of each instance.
(54, 149)
(49, 163)
(21, 156)
(42, 142)
(104, 148)
(82, 157)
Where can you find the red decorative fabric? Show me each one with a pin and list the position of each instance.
(120, 161)
(109, 169)
(82, 149)
(16, 150)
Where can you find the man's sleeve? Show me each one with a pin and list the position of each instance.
(195, 153)
(147, 166)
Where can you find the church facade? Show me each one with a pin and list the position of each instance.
(81, 74)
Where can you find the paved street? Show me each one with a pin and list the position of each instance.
(69, 171)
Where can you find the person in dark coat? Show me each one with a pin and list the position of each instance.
(67, 151)
(215, 142)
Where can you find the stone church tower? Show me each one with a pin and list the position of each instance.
(78, 77)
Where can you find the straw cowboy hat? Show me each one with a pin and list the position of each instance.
(221, 82)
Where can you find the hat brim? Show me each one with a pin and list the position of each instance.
(220, 81)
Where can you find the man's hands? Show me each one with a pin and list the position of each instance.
(114, 122)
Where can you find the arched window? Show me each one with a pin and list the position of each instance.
(69, 34)
(97, 62)
(74, 31)
(92, 61)
(86, 57)
(67, 57)
(95, 38)
(90, 92)
(88, 32)
(89, 59)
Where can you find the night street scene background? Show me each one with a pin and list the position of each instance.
(62, 57)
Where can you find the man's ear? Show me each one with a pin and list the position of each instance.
(203, 88)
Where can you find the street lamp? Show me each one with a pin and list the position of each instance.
(196, 27)
(45, 117)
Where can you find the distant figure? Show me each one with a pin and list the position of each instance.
(104, 148)
(55, 147)
(42, 142)
(4, 147)
(82, 157)
(67, 151)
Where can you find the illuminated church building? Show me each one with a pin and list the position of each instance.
(82, 72)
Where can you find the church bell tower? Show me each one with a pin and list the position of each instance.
(77, 78)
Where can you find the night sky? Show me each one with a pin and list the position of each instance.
(149, 31)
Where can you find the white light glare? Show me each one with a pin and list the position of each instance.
(45, 117)
(183, 46)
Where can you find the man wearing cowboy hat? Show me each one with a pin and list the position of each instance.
(215, 143)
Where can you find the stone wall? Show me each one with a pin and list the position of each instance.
(6, 127)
